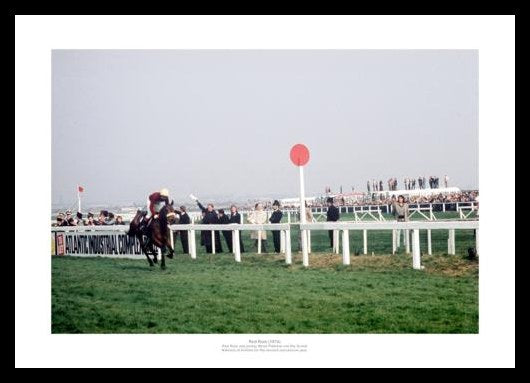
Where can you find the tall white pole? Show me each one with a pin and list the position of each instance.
(305, 255)
(477, 241)
(429, 242)
(416, 256)
(288, 256)
(407, 241)
(235, 245)
(345, 247)
(192, 244)
(365, 241)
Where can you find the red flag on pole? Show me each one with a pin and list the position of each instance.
(80, 189)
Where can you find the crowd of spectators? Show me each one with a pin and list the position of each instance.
(104, 218)
(464, 196)
(380, 199)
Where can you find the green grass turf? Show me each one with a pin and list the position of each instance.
(213, 294)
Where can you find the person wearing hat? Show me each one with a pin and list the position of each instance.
(184, 219)
(110, 219)
(156, 201)
(276, 217)
(332, 215)
(79, 216)
(68, 217)
(235, 217)
(60, 221)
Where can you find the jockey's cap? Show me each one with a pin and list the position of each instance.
(164, 192)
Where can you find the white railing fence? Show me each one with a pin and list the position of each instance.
(78, 237)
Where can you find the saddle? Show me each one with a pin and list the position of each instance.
(145, 223)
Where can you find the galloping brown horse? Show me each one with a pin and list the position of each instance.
(157, 233)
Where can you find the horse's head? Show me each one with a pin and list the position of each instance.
(168, 213)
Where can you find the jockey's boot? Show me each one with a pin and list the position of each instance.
(144, 224)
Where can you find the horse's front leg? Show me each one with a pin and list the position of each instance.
(171, 250)
(163, 253)
(148, 243)
(144, 249)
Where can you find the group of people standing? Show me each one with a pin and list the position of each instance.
(434, 182)
(258, 216)
(374, 186)
(104, 218)
(409, 183)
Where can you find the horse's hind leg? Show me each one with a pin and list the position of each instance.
(163, 263)
(148, 243)
(170, 245)
(170, 249)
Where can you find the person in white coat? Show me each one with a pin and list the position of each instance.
(259, 216)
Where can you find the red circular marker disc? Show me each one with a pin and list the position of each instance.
(299, 155)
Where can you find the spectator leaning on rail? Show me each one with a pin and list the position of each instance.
(110, 219)
(259, 217)
(235, 217)
(60, 221)
(90, 219)
(332, 215)
(68, 217)
(102, 218)
(276, 217)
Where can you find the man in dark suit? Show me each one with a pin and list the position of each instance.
(210, 218)
(332, 215)
(235, 217)
(227, 234)
(184, 220)
(276, 217)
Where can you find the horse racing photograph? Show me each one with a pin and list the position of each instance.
(188, 199)
(246, 191)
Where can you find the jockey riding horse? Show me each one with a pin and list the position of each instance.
(154, 226)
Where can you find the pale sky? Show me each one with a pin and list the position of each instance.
(220, 123)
